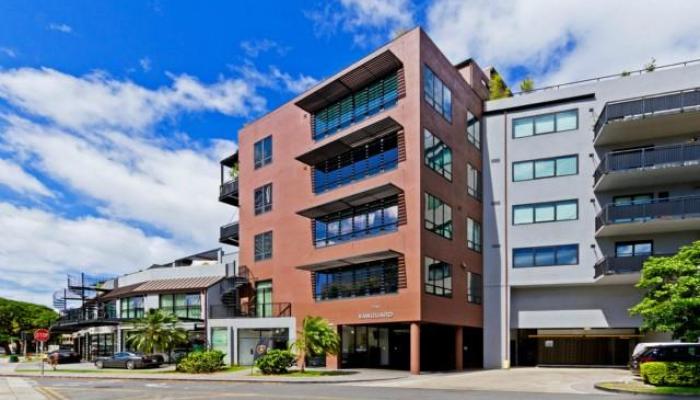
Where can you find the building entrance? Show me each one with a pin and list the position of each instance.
(375, 346)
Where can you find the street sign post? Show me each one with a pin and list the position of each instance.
(42, 336)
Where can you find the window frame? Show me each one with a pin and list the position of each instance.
(264, 207)
(556, 248)
(475, 298)
(173, 308)
(534, 207)
(127, 301)
(429, 98)
(474, 138)
(472, 244)
(446, 289)
(365, 212)
(358, 276)
(478, 192)
(634, 243)
(263, 255)
(534, 117)
(534, 161)
(426, 199)
(444, 170)
(265, 160)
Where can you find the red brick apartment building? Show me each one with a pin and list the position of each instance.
(360, 201)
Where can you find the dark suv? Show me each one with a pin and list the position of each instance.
(666, 352)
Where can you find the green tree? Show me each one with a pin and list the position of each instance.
(316, 337)
(651, 66)
(671, 302)
(18, 316)
(497, 87)
(157, 331)
(527, 85)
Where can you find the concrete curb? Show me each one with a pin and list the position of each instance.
(204, 379)
(615, 390)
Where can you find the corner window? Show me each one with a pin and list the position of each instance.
(262, 152)
(473, 235)
(546, 256)
(545, 123)
(438, 216)
(263, 199)
(263, 246)
(438, 277)
(474, 288)
(473, 130)
(437, 94)
(438, 156)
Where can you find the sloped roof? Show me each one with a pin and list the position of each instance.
(163, 285)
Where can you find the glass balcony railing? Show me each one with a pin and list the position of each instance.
(650, 157)
(658, 209)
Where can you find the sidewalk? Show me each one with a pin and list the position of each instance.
(18, 389)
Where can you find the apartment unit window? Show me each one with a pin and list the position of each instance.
(378, 96)
(366, 279)
(262, 152)
(437, 94)
(474, 235)
(438, 156)
(545, 123)
(473, 130)
(474, 288)
(438, 216)
(566, 210)
(545, 168)
(185, 305)
(131, 307)
(263, 246)
(263, 299)
(373, 158)
(438, 277)
(263, 199)
(631, 249)
(474, 182)
(545, 256)
(355, 223)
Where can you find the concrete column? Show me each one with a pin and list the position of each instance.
(415, 348)
(459, 348)
(332, 362)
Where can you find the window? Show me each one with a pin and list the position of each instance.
(263, 199)
(437, 94)
(473, 130)
(545, 123)
(473, 235)
(632, 213)
(473, 182)
(545, 256)
(376, 97)
(263, 246)
(182, 305)
(131, 307)
(545, 168)
(566, 210)
(438, 277)
(438, 216)
(262, 152)
(366, 279)
(474, 288)
(438, 155)
(631, 249)
(373, 158)
(263, 299)
(355, 223)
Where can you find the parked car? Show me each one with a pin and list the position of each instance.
(646, 352)
(128, 360)
(64, 356)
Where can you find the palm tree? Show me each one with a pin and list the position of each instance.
(157, 330)
(316, 337)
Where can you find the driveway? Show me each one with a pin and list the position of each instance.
(540, 380)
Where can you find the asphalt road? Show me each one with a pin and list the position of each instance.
(99, 389)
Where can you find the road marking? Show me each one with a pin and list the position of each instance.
(50, 393)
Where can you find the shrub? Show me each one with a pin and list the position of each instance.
(659, 373)
(13, 358)
(275, 362)
(201, 362)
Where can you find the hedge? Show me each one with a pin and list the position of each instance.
(199, 362)
(663, 373)
(275, 362)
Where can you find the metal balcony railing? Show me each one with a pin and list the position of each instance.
(86, 314)
(229, 190)
(670, 208)
(671, 155)
(677, 100)
(229, 233)
(613, 265)
(267, 310)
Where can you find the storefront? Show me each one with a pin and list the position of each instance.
(375, 346)
(249, 339)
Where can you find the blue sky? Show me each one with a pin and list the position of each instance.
(114, 114)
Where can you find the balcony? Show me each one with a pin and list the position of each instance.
(657, 216)
(269, 310)
(79, 318)
(229, 234)
(612, 265)
(228, 192)
(671, 164)
(642, 118)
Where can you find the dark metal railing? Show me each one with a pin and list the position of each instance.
(229, 188)
(84, 314)
(670, 208)
(229, 232)
(671, 155)
(267, 310)
(677, 100)
(612, 265)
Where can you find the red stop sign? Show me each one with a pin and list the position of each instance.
(41, 335)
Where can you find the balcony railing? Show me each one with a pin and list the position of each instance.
(671, 208)
(268, 310)
(229, 234)
(228, 192)
(613, 265)
(672, 155)
(87, 314)
(677, 100)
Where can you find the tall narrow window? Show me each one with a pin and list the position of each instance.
(473, 235)
(438, 155)
(263, 199)
(473, 130)
(437, 94)
(438, 277)
(438, 216)
(263, 299)
(473, 182)
(474, 288)
(263, 246)
(262, 152)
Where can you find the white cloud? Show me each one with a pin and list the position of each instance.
(8, 52)
(560, 41)
(64, 28)
(17, 179)
(274, 78)
(145, 64)
(254, 48)
(97, 100)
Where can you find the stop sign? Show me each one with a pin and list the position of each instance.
(41, 335)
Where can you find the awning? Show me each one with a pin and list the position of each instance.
(353, 200)
(163, 285)
(358, 259)
(230, 161)
(347, 142)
